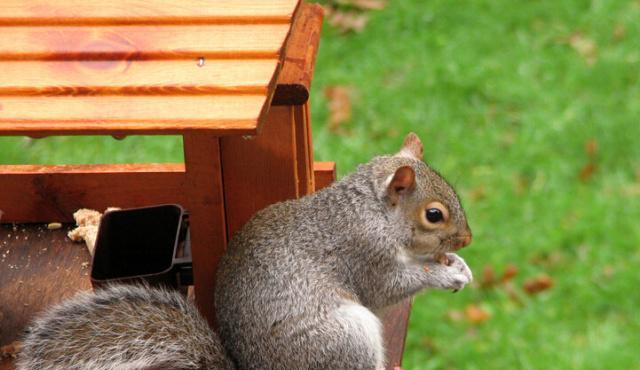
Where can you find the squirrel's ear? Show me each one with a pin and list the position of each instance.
(402, 182)
(412, 147)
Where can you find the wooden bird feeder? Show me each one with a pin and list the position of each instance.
(231, 77)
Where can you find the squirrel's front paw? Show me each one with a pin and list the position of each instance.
(454, 274)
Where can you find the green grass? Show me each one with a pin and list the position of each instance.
(504, 104)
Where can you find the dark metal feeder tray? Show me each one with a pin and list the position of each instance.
(142, 245)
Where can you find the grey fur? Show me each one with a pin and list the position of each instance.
(125, 328)
(288, 275)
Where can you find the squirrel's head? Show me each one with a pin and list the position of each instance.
(425, 200)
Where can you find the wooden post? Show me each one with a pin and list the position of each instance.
(261, 170)
(205, 203)
(324, 174)
(304, 149)
(395, 321)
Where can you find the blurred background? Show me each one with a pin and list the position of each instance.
(531, 110)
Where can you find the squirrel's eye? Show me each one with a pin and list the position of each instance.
(434, 215)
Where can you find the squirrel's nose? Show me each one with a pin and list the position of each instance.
(463, 241)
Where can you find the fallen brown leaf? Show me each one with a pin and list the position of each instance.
(339, 98)
(586, 173)
(509, 273)
(538, 284)
(475, 314)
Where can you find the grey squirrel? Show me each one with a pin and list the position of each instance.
(298, 288)
(300, 284)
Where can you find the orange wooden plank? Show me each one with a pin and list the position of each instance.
(179, 77)
(260, 170)
(222, 114)
(142, 42)
(53, 193)
(145, 11)
(32, 169)
(324, 174)
(205, 203)
(294, 82)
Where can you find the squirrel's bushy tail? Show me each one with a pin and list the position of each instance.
(122, 327)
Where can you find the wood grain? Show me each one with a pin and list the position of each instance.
(294, 82)
(96, 12)
(261, 170)
(124, 67)
(40, 267)
(142, 42)
(221, 114)
(179, 77)
(206, 205)
(53, 193)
